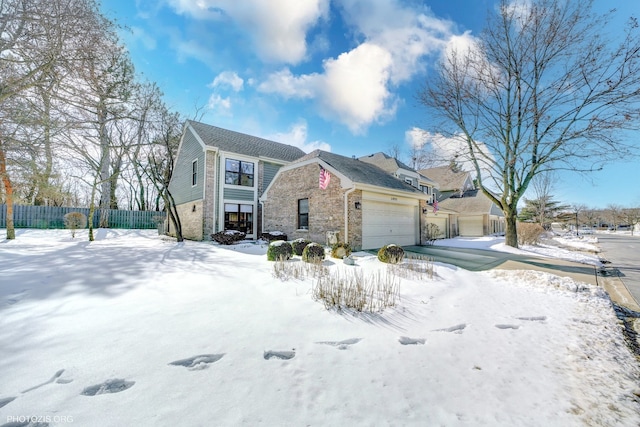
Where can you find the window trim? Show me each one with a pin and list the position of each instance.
(194, 172)
(302, 215)
(240, 174)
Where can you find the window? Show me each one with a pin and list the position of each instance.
(238, 217)
(425, 189)
(408, 181)
(194, 172)
(303, 214)
(238, 173)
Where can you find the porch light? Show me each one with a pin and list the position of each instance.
(358, 205)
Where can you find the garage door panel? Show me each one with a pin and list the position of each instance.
(384, 223)
(442, 226)
(470, 226)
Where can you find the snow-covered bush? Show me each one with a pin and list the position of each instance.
(313, 253)
(298, 245)
(279, 250)
(228, 237)
(391, 254)
(340, 250)
(75, 220)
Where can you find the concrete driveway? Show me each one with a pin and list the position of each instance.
(484, 259)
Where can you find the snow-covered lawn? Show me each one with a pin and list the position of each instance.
(135, 329)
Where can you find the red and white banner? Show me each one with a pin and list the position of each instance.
(325, 176)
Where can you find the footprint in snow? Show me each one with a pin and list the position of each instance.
(341, 345)
(26, 423)
(199, 362)
(17, 297)
(456, 328)
(411, 341)
(533, 318)
(283, 355)
(115, 385)
(5, 401)
(502, 326)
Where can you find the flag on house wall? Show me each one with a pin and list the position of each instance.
(435, 205)
(325, 176)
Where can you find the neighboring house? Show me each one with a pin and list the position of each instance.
(218, 177)
(470, 213)
(362, 204)
(402, 172)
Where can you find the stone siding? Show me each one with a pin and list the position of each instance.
(209, 211)
(191, 219)
(326, 207)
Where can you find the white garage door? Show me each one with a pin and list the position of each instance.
(384, 223)
(441, 222)
(470, 226)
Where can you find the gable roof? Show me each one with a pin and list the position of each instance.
(236, 142)
(385, 162)
(391, 165)
(471, 202)
(359, 171)
(448, 179)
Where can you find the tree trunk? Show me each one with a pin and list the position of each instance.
(8, 190)
(511, 233)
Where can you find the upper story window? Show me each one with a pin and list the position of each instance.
(425, 189)
(408, 181)
(194, 172)
(238, 173)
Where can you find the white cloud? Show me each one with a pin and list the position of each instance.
(297, 136)
(277, 28)
(228, 78)
(285, 84)
(219, 104)
(356, 88)
(352, 89)
(408, 34)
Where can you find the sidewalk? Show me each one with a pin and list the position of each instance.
(617, 291)
(483, 259)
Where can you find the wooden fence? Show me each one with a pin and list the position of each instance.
(53, 217)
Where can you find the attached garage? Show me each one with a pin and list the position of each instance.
(442, 223)
(387, 219)
(471, 226)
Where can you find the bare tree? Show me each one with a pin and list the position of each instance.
(160, 163)
(612, 213)
(34, 34)
(541, 89)
(630, 217)
(589, 216)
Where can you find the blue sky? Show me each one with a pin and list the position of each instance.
(340, 75)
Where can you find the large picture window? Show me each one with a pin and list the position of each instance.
(303, 214)
(238, 217)
(238, 173)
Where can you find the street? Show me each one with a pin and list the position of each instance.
(623, 251)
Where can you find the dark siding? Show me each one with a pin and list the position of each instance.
(270, 170)
(238, 194)
(180, 187)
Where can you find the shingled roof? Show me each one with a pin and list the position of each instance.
(385, 162)
(236, 142)
(448, 179)
(360, 172)
(471, 202)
